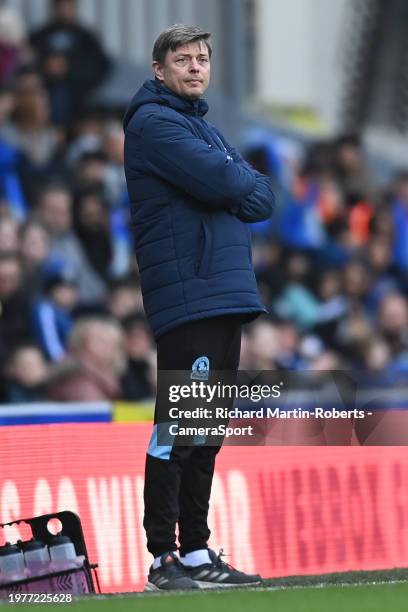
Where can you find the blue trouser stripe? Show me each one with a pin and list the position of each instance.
(161, 452)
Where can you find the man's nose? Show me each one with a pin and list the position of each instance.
(194, 65)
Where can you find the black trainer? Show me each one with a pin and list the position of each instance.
(169, 576)
(219, 574)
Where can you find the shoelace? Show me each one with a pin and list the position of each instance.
(222, 563)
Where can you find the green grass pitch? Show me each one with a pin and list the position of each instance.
(352, 592)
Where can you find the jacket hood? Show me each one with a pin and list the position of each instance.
(153, 91)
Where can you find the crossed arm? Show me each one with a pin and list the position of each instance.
(218, 179)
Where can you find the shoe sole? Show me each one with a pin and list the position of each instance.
(225, 585)
(150, 587)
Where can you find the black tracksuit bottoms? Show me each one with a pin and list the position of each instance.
(177, 489)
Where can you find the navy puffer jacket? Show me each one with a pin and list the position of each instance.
(191, 195)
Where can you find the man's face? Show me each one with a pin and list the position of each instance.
(65, 11)
(10, 278)
(55, 210)
(186, 71)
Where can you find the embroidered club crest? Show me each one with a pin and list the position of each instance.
(200, 369)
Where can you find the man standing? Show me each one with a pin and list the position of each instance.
(71, 59)
(191, 196)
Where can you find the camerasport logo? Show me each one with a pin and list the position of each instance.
(277, 510)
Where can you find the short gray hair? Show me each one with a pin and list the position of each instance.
(176, 36)
(85, 325)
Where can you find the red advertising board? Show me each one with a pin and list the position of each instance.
(277, 510)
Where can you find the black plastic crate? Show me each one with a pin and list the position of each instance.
(77, 581)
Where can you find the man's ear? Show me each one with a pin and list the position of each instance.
(158, 70)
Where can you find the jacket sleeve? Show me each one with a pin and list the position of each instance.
(170, 150)
(260, 203)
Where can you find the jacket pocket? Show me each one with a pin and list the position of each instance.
(205, 250)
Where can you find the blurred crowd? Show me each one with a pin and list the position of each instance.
(331, 264)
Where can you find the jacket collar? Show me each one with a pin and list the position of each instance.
(191, 107)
